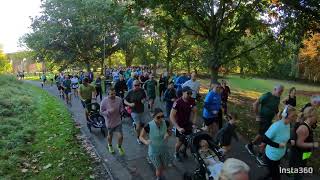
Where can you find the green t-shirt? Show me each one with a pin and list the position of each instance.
(67, 84)
(86, 91)
(268, 106)
(151, 88)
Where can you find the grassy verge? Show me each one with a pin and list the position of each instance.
(38, 136)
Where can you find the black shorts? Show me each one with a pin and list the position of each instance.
(60, 88)
(209, 121)
(182, 137)
(264, 126)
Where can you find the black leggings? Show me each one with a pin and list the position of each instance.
(273, 169)
(99, 92)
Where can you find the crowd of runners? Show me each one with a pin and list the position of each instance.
(282, 133)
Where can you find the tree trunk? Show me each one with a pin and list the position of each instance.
(214, 72)
(128, 57)
(102, 66)
(87, 66)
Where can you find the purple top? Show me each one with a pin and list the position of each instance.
(111, 110)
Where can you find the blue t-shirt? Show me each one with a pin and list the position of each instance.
(278, 132)
(212, 103)
(130, 83)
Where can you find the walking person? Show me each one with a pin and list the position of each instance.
(265, 108)
(170, 96)
(43, 79)
(291, 99)
(276, 138)
(75, 85)
(158, 132)
(150, 86)
(224, 96)
(314, 102)
(211, 109)
(183, 116)
(67, 89)
(303, 139)
(98, 88)
(163, 84)
(194, 85)
(135, 99)
(111, 108)
(87, 92)
(120, 87)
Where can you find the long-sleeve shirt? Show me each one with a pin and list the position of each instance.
(212, 103)
(111, 111)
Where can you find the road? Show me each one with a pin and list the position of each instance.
(134, 166)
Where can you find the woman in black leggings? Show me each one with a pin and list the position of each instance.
(98, 88)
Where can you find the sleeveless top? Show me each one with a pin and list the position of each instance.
(292, 101)
(156, 135)
(309, 139)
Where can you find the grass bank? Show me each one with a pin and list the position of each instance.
(38, 137)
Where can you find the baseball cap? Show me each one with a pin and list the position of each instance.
(186, 89)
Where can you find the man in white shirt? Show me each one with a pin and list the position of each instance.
(193, 84)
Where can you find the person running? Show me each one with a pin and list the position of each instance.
(143, 78)
(150, 86)
(265, 108)
(67, 89)
(314, 102)
(111, 108)
(98, 87)
(178, 82)
(59, 82)
(135, 99)
(86, 92)
(211, 109)
(194, 85)
(163, 84)
(158, 131)
(75, 85)
(170, 96)
(276, 138)
(183, 116)
(115, 76)
(120, 87)
(291, 99)
(130, 80)
(43, 79)
(224, 96)
(90, 76)
(303, 139)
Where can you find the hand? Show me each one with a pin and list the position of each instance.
(282, 145)
(292, 142)
(166, 137)
(258, 119)
(148, 142)
(316, 144)
(131, 104)
(173, 99)
(181, 130)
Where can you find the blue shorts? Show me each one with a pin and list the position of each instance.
(138, 118)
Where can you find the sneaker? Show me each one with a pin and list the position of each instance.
(249, 148)
(110, 148)
(261, 161)
(139, 142)
(177, 157)
(121, 150)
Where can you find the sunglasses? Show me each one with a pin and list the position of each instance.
(160, 117)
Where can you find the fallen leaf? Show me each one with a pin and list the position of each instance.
(24, 170)
(47, 166)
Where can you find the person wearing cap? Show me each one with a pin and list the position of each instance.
(193, 84)
(183, 111)
(179, 81)
(314, 102)
(150, 86)
(158, 131)
(135, 99)
(266, 107)
(212, 107)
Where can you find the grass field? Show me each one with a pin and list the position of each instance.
(38, 136)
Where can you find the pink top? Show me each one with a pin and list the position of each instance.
(111, 109)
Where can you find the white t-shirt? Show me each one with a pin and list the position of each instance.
(74, 82)
(194, 85)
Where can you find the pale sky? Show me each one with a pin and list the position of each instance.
(15, 21)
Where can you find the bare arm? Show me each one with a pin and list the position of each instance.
(302, 134)
(173, 118)
(142, 137)
(256, 107)
(194, 115)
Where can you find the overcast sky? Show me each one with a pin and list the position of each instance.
(15, 21)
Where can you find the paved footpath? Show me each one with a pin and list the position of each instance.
(134, 166)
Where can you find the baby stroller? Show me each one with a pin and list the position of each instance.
(201, 172)
(95, 119)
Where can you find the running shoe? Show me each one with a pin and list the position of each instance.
(249, 148)
(110, 148)
(139, 142)
(121, 150)
(261, 160)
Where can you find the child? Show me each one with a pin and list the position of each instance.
(225, 134)
(210, 159)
